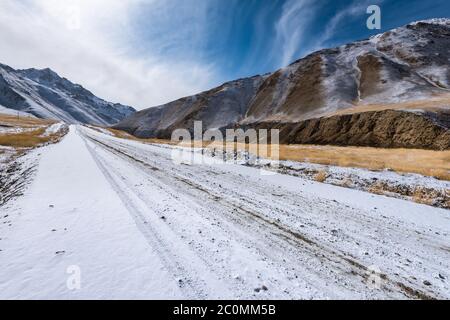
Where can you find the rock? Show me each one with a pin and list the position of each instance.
(427, 283)
(370, 129)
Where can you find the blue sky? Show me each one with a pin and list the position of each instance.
(246, 37)
(148, 52)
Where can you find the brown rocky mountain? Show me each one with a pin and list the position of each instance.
(392, 90)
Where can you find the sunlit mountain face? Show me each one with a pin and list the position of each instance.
(146, 53)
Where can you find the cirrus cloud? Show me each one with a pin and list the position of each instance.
(87, 41)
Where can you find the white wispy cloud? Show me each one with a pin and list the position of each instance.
(292, 38)
(291, 28)
(45, 33)
(356, 8)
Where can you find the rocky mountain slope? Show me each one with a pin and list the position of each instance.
(385, 129)
(407, 64)
(45, 94)
(217, 108)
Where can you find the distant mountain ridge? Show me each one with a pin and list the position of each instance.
(409, 63)
(44, 94)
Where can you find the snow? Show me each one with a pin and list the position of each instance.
(92, 227)
(14, 130)
(141, 226)
(12, 112)
(5, 154)
(102, 130)
(54, 128)
(438, 21)
(355, 178)
(436, 74)
(361, 176)
(49, 96)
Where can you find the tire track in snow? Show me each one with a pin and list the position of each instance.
(192, 286)
(205, 258)
(349, 264)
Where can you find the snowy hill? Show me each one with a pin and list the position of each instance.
(45, 94)
(406, 64)
(217, 108)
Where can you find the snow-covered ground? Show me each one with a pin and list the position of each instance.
(138, 225)
(387, 182)
(12, 112)
(54, 128)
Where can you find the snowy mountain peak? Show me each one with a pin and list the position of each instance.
(439, 21)
(43, 93)
(41, 75)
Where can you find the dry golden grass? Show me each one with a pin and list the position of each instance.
(378, 188)
(24, 122)
(321, 176)
(425, 162)
(31, 137)
(421, 195)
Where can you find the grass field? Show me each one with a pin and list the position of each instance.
(425, 162)
(25, 122)
(30, 132)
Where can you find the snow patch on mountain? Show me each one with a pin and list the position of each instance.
(45, 94)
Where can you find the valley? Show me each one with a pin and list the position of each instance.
(139, 226)
(101, 201)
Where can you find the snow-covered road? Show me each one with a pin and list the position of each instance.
(138, 225)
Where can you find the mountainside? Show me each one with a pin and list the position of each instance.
(217, 108)
(44, 94)
(385, 129)
(407, 64)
